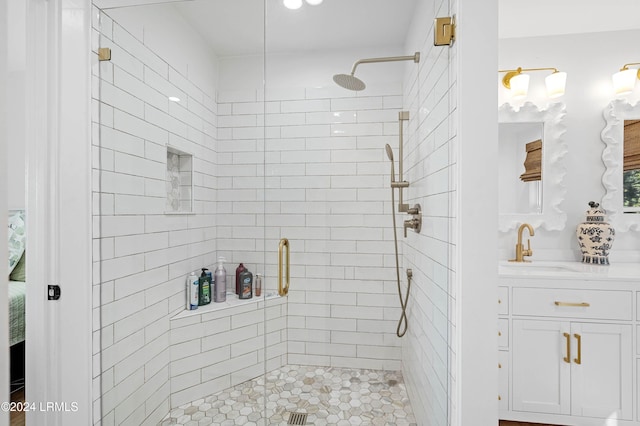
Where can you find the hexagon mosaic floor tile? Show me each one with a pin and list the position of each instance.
(328, 395)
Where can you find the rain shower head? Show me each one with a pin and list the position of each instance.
(350, 82)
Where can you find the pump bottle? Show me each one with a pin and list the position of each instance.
(221, 282)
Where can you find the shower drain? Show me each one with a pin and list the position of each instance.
(297, 418)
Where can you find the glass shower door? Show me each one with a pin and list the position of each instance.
(327, 178)
(178, 187)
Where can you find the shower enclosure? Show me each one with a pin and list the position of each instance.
(218, 132)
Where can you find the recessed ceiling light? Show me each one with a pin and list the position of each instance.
(314, 2)
(292, 4)
(174, 99)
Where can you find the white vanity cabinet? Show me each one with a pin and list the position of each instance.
(571, 357)
(541, 379)
(572, 368)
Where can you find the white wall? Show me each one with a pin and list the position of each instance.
(16, 142)
(593, 59)
(16, 92)
(165, 32)
(142, 255)
(313, 70)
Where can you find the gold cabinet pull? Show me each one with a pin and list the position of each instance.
(499, 365)
(499, 301)
(567, 358)
(578, 360)
(283, 291)
(572, 304)
(499, 398)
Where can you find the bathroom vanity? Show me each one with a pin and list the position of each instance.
(568, 350)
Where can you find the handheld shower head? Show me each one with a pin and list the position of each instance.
(389, 151)
(390, 156)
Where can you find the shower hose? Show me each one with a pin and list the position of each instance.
(402, 322)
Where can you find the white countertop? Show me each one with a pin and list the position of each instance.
(568, 270)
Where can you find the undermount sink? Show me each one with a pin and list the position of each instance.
(537, 266)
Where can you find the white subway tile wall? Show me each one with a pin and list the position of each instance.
(143, 255)
(326, 177)
(428, 350)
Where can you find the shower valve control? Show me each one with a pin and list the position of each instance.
(415, 222)
(415, 210)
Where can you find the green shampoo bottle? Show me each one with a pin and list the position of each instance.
(204, 290)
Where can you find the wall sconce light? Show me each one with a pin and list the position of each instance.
(518, 82)
(625, 79)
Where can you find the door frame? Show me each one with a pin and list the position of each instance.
(4, 302)
(58, 204)
(476, 273)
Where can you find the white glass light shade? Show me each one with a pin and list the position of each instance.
(624, 81)
(292, 4)
(314, 2)
(519, 86)
(556, 83)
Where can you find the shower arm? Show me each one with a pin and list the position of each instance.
(415, 58)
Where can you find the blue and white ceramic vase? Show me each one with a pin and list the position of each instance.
(595, 236)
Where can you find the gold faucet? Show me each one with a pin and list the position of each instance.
(520, 251)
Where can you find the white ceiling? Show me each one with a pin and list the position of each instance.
(112, 4)
(531, 18)
(236, 27)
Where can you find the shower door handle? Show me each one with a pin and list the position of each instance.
(283, 290)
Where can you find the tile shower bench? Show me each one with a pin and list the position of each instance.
(220, 345)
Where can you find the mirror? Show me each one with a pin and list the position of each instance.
(520, 173)
(621, 158)
(532, 170)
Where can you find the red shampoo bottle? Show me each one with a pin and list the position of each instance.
(239, 270)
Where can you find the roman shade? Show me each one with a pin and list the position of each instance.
(533, 162)
(631, 145)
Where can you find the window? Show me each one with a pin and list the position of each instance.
(631, 167)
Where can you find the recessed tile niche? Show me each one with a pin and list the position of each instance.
(179, 182)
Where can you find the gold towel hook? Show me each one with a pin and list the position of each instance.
(283, 291)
